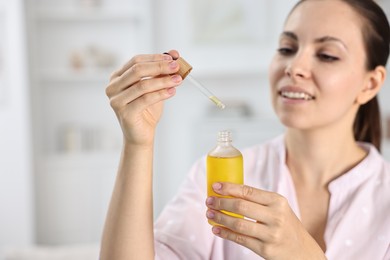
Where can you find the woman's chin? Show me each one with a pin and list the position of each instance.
(293, 122)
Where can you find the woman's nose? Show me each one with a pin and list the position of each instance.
(298, 66)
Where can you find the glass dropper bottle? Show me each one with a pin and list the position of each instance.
(224, 164)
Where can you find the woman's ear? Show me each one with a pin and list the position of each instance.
(374, 83)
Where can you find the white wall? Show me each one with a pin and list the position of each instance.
(16, 202)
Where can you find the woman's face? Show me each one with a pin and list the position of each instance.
(319, 68)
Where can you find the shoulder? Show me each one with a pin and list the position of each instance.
(378, 169)
(378, 163)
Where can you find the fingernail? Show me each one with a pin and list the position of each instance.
(210, 201)
(173, 65)
(171, 91)
(216, 230)
(167, 57)
(176, 78)
(217, 186)
(210, 214)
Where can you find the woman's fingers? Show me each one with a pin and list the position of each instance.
(241, 226)
(255, 236)
(245, 192)
(140, 59)
(157, 89)
(263, 206)
(242, 207)
(249, 242)
(140, 71)
(175, 54)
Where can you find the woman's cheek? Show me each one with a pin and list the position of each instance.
(275, 74)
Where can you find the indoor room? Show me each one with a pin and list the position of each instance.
(60, 140)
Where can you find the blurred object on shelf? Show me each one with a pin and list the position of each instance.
(70, 139)
(100, 57)
(74, 138)
(76, 60)
(92, 57)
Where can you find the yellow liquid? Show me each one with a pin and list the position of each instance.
(224, 170)
(217, 102)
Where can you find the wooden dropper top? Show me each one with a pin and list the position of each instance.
(185, 67)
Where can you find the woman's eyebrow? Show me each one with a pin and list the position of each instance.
(331, 39)
(289, 35)
(327, 38)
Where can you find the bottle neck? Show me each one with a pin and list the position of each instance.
(224, 147)
(224, 138)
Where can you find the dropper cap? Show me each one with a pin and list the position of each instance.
(185, 67)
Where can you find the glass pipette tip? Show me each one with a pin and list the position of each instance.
(206, 92)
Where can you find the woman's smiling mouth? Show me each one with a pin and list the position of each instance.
(296, 95)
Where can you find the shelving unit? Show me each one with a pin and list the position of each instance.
(73, 48)
(136, 14)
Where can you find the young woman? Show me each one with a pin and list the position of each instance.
(322, 190)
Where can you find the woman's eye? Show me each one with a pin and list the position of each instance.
(285, 51)
(327, 58)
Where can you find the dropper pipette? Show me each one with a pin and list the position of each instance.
(184, 71)
(206, 92)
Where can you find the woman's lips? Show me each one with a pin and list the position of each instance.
(296, 95)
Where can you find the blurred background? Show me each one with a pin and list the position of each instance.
(59, 138)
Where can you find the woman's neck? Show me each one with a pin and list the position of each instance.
(315, 158)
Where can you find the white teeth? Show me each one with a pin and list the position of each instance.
(296, 95)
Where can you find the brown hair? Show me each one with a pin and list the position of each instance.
(376, 35)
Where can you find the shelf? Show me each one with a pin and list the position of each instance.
(81, 160)
(70, 76)
(88, 15)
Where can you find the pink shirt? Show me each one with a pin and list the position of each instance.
(358, 224)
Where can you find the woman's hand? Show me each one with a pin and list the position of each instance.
(137, 91)
(274, 231)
